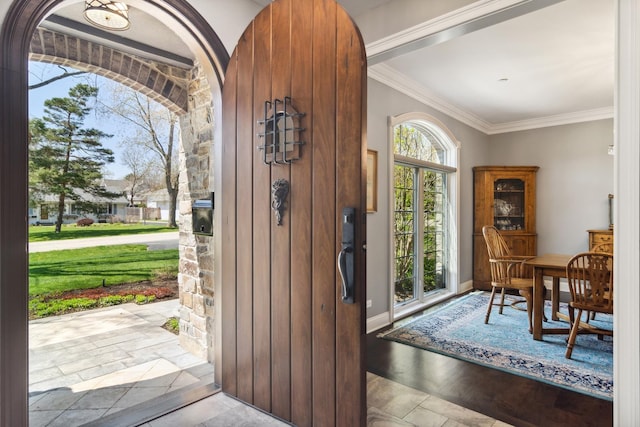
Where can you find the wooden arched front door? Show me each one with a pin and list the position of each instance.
(290, 344)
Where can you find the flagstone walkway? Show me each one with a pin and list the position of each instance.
(86, 365)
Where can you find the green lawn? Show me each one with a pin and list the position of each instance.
(58, 271)
(71, 231)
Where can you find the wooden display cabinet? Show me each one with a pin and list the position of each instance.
(505, 197)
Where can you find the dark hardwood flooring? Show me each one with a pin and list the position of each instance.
(506, 397)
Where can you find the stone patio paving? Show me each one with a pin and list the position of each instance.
(86, 365)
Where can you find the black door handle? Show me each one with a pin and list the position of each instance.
(345, 257)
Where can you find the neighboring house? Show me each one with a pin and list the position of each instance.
(160, 199)
(123, 186)
(46, 212)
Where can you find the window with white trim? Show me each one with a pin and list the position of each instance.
(423, 219)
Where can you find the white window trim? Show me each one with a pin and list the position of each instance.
(453, 190)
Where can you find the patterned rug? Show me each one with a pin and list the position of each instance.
(457, 329)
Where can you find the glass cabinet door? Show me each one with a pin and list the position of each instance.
(509, 204)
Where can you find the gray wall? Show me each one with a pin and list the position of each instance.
(384, 102)
(573, 183)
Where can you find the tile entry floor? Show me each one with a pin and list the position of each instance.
(87, 365)
(389, 405)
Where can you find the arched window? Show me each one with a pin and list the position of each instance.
(424, 221)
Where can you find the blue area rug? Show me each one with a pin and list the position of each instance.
(457, 329)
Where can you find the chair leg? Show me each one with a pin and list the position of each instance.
(528, 296)
(501, 301)
(493, 293)
(574, 333)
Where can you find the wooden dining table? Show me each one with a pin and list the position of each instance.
(554, 266)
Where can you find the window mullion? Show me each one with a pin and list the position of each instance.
(419, 238)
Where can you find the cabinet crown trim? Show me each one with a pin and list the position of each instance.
(506, 168)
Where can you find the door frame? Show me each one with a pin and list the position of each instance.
(18, 26)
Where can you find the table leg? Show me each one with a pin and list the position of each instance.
(555, 298)
(538, 303)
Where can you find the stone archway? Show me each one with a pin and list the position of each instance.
(196, 265)
(166, 84)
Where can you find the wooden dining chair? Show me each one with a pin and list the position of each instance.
(600, 247)
(603, 247)
(507, 272)
(590, 278)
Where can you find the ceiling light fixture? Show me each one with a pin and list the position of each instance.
(107, 14)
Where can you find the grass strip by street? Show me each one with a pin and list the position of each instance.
(45, 233)
(96, 268)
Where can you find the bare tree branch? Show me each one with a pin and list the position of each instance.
(56, 78)
(157, 134)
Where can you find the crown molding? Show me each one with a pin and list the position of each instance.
(396, 80)
(555, 120)
(469, 18)
(391, 77)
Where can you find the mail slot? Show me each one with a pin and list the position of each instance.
(202, 216)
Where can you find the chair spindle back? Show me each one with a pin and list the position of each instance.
(590, 278)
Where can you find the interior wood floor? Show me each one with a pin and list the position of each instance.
(506, 397)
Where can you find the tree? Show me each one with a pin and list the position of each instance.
(157, 133)
(415, 143)
(65, 157)
(140, 168)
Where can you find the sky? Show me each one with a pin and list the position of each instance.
(39, 71)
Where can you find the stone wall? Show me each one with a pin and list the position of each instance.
(196, 277)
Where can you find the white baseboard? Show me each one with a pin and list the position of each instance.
(378, 321)
(381, 320)
(465, 286)
(564, 287)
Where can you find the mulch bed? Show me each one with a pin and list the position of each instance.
(161, 289)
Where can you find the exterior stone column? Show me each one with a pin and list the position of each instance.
(196, 269)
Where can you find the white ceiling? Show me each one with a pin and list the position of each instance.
(551, 66)
(558, 63)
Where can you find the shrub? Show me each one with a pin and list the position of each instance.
(84, 222)
(172, 325)
(40, 308)
(143, 299)
(114, 300)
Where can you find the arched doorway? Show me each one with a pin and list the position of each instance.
(19, 25)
